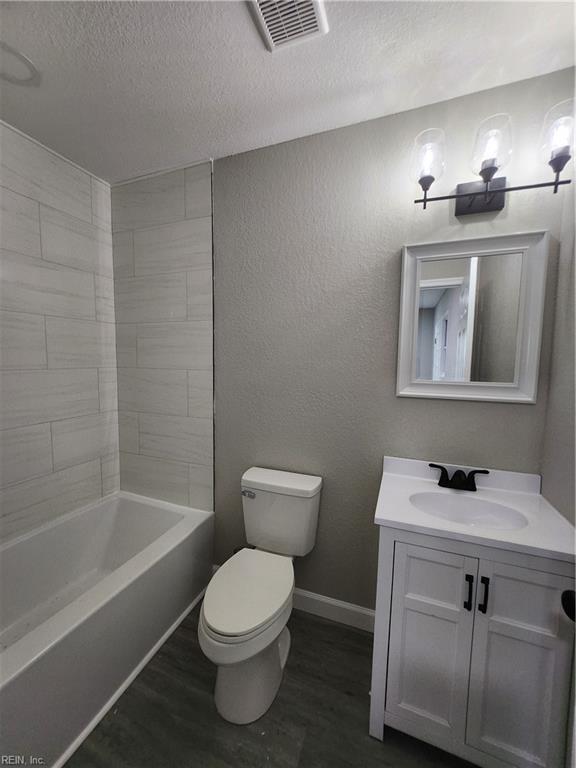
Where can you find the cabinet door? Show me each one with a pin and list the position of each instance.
(430, 640)
(521, 667)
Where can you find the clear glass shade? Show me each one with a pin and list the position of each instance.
(428, 155)
(493, 146)
(558, 131)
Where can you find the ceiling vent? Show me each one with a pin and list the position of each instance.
(285, 22)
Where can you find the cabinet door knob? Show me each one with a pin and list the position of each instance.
(470, 582)
(483, 606)
(568, 603)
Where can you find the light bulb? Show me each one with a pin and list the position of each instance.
(561, 134)
(493, 146)
(428, 157)
(556, 144)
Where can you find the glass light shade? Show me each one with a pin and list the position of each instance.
(493, 146)
(557, 142)
(428, 157)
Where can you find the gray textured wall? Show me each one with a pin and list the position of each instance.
(307, 239)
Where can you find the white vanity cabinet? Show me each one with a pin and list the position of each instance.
(473, 652)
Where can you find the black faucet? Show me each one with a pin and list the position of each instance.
(460, 481)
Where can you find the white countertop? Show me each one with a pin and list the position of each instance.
(547, 534)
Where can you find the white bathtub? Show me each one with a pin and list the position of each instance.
(85, 602)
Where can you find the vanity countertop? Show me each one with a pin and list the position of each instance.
(547, 533)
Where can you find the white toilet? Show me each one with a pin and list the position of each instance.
(242, 625)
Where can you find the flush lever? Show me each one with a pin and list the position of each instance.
(248, 494)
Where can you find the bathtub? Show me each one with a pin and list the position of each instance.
(85, 602)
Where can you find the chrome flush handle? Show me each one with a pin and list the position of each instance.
(248, 494)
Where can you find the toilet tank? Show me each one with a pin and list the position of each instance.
(280, 510)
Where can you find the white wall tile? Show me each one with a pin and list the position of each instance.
(25, 452)
(108, 389)
(22, 340)
(201, 487)
(160, 479)
(198, 191)
(164, 347)
(32, 397)
(156, 200)
(128, 430)
(149, 299)
(80, 343)
(200, 394)
(152, 391)
(174, 247)
(174, 345)
(101, 206)
(37, 286)
(200, 294)
(126, 335)
(75, 243)
(26, 505)
(80, 439)
(174, 437)
(29, 169)
(19, 223)
(123, 254)
(104, 287)
(110, 473)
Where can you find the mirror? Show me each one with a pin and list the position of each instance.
(471, 318)
(468, 318)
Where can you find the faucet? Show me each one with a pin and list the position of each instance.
(460, 481)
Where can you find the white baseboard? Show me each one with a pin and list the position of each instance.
(335, 610)
(329, 608)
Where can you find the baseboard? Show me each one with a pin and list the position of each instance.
(130, 679)
(329, 608)
(335, 610)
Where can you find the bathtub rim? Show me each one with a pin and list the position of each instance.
(19, 656)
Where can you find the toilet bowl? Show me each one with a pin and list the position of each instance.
(242, 627)
(243, 631)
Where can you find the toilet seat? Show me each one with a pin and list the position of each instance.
(247, 594)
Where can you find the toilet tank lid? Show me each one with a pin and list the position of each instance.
(277, 481)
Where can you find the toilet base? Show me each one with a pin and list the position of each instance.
(245, 691)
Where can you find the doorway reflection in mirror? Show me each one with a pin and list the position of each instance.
(468, 318)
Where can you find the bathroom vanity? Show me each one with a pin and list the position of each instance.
(472, 647)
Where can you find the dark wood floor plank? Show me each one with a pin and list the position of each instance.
(167, 717)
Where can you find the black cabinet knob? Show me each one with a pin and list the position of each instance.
(568, 603)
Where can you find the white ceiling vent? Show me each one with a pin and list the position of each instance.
(285, 22)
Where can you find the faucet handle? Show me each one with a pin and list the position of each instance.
(444, 481)
(471, 477)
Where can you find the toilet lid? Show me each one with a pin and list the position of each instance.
(248, 592)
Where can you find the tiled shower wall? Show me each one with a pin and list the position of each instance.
(58, 406)
(163, 293)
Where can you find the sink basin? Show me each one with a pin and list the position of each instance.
(467, 510)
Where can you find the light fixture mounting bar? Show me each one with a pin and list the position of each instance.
(554, 184)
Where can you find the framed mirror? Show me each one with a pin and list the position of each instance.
(471, 318)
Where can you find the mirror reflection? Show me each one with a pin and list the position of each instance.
(468, 318)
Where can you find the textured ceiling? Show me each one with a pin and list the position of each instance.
(128, 88)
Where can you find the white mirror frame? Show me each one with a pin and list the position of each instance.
(534, 249)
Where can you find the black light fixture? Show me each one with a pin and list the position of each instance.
(492, 151)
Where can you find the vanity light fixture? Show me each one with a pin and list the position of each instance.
(428, 158)
(492, 151)
(558, 137)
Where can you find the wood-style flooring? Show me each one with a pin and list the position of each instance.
(167, 718)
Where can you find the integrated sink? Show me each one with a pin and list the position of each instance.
(470, 511)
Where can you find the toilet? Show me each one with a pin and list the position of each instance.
(242, 627)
